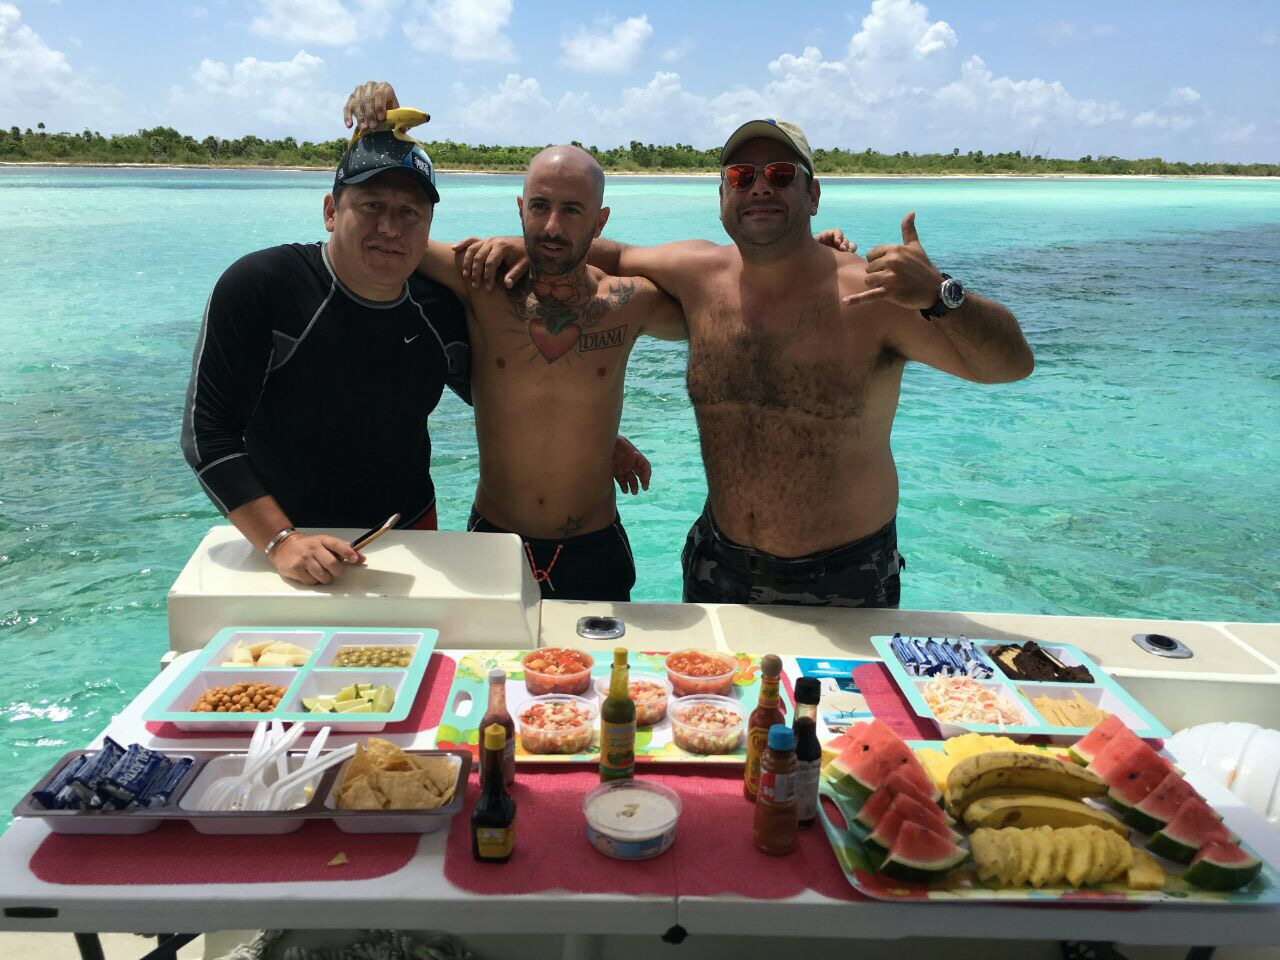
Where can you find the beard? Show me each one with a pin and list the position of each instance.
(555, 266)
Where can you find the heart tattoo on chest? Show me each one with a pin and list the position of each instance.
(555, 313)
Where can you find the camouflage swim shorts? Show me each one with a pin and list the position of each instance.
(865, 573)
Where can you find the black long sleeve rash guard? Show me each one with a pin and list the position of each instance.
(306, 391)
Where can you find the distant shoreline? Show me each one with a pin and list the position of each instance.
(664, 173)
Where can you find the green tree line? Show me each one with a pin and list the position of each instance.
(164, 145)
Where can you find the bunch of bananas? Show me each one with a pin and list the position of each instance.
(1006, 773)
(1044, 856)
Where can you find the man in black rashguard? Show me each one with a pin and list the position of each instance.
(317, 366)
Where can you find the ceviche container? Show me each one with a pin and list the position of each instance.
(557, 670)
(707, 725)
(650, 693)
(631, 819)
(557, 723)
(694, 672)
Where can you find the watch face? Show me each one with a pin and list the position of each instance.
(952, 293)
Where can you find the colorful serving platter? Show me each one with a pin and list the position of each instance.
(858, 862)
(1017, 695)
(317, 677)
(468, 699)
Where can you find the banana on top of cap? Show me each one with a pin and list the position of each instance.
(398, 120)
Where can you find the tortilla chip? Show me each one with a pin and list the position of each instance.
(440, 773)
(405, 790)
(359, 766)
(338, 861)
(385, 755)
(360, 795)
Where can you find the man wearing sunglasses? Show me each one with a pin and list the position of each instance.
(796, 354)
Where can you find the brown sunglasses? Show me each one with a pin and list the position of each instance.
(740, 176)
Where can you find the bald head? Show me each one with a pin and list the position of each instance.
(565, 163)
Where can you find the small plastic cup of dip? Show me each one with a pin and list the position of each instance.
(700, 671)
(649, 692)
(631, 819)
(556, 723)
(707, 725)
(557, 670)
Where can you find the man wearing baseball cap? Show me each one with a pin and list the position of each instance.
(317, 366)
(796, 354)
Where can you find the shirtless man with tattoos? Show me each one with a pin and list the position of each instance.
(548, 360)
(796, 353)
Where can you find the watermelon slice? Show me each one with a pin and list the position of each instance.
(1088, 746)
(1194, 826)
(1222, 866)
(875, 754)
(918, 855)
(907, 809)
(1131, 770)
(1158, 807)
(894, 785)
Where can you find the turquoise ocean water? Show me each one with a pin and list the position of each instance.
(1135, 474)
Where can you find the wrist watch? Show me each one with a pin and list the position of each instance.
(950, 297)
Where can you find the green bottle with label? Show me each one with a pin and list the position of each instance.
(618, 723)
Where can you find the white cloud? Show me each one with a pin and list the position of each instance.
(614, 51)
(1183, 96)
(462, 29)
(38, 83)
(1150, 119)
(679, 51)
(286, 95)
(328, 22)
(897, 28)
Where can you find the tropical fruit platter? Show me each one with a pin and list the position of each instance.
(981, 817)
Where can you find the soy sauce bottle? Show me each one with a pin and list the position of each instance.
(808, 750)
(493, 819)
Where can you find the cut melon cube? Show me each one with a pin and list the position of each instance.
(256, 649)
(275, 660)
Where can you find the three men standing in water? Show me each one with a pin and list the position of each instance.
(795, 364)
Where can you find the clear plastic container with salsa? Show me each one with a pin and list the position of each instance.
(693, 672)
(557, 670)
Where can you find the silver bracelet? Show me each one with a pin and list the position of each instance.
(278, 539)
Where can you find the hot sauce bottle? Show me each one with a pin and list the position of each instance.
(775, 822)
(808, 750)
(768, 711)
(493, 819)
(618, 724)
(497, 713)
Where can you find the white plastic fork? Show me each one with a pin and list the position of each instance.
(303, 773)
(238, 798)
(286, 801)
(220, 788)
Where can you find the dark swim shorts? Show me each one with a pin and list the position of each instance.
(865, 573)
(591, 566)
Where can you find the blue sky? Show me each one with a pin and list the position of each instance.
(1177, 79)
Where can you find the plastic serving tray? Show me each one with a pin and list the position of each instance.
(210, 765)
(316, 677)
(1105, 693)
(468, 698)
(962, 884)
